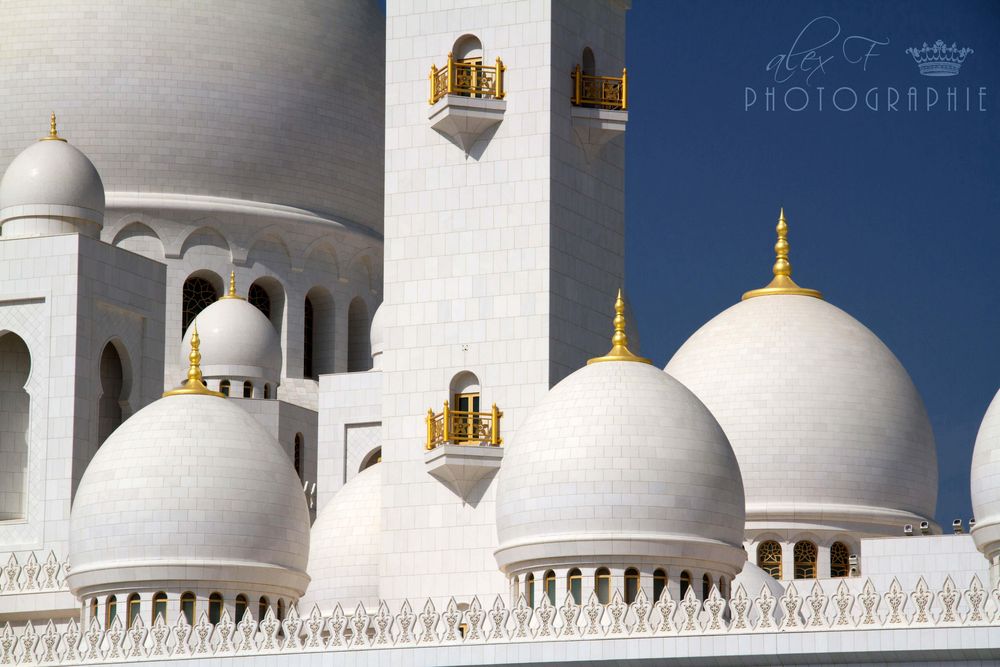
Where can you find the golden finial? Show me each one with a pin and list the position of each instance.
(53, 135)
(782, 282)
(619, 341)
(194, 383)
(231, 294)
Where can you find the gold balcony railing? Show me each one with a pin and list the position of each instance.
(606, 92)
(468, 79)
(458, 427)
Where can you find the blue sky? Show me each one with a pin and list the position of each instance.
(892, 214)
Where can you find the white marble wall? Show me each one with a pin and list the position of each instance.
(350, 427)
(486, 269)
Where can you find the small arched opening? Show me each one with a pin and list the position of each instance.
(631, 585)
(297, 454)
(215, 602)
(659, 583)
(587, 64)
(550, 587)
(268, 295)
(465, 405)
(769, 558)
(602, 585)
(805, 560)
(188, 606)
(224, 387)
(318, 334)
(134, 607)
(200, 290)
(112, 397)
(110, 611)
(529, 589)
(359, 351)
(159, 607)
(706, 586)
(247, 389)
(685, 583)
(240, 607)
(840, 560)
(574, 584)
(373, 457)
(15, 408)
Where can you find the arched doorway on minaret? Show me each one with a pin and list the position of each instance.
(15, 367)
(112, 406)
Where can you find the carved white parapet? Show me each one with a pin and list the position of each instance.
(33, 574)
(461, 467)
(464, 119)
(364, 629)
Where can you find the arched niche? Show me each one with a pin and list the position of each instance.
(268, 295)
(359, 351)
(467, 48)
(587, 63)
(15, 407)
(200, 290)
(318, 349)
(207, 242)
(115, 387)
(371, 458)
(140, 239)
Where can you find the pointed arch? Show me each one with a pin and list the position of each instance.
(115, 385)
(14, 424)
(321, 257)
(269, 250)
(207, 242)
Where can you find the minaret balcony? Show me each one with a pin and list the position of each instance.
(467, 99)
(463, 448)
(600, 108)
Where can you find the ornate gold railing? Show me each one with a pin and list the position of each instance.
(459, 427)
(468, 79)
(608, 92)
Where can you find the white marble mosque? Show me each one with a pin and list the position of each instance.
(313, 351)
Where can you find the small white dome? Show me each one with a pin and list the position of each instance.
(377, 338)
(51, 187)
(345, 547)
(754, 580)
(985, 483)
(237, 342)
(828, 427)
(191, 488)
(620, 464)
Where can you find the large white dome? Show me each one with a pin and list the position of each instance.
(51, 187)
(828, 427)
(271, 101)
(620, 465)
(985, 483)
(345, 546)
(189, 489)
(237, 342)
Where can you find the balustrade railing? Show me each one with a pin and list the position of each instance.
(467, 79)
(606, 92)
(461, 427)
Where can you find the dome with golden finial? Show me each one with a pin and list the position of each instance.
(829, 429)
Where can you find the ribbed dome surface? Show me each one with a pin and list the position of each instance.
(826, 424)
(278, 101)
(985, 481)
(190, 488)
(345, 544)
(237, 341)
(620, 462)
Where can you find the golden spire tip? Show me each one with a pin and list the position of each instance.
(53, 135)
(619, 340)
(231, 294)
(194, 383)
(782, 282)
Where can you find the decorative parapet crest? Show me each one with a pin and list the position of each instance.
(973, 606)
(34, 574)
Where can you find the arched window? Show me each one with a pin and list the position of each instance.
(587, 62)
(574, 584)
(631, 585)
(109, 405)
(550, 587)
(262, 604)
(214, 608)
(198, 294)
(241, 607)
(769, 558)
(308, 326)
(281, 610)
(706, 586)
(723, 590)
(134, 606)
(297, 455)
(685, 583)
(110, 610)
(224, 387)
(258, 297)
(359, 351)
(465, 425)
(805, 560)
(93, 609)
(659, 583)
(602, 585)
(187, 606)
(267, 390)
(247, 389)
(15, 406)
(318, 334)
(159, 606)
(529, 589)
(467, 53)
(375, 456)
(840, 560)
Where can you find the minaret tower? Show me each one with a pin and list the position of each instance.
(504, 241)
